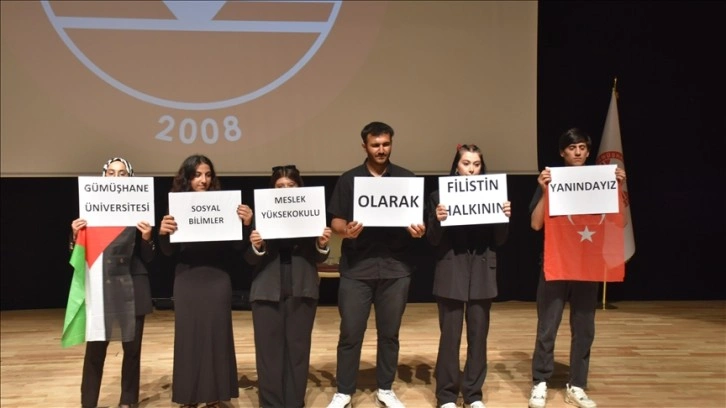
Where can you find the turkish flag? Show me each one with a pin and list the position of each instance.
(587, 247)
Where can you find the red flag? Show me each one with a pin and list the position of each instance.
(584, 247)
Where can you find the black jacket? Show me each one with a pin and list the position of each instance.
(466, 259)
(266, 284)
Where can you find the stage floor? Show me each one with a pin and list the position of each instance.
(646, 354)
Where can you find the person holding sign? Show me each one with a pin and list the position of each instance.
(574, 146)
(132, 250)
(465, 282)
(375, 269)
(284, 296)
(205, 365)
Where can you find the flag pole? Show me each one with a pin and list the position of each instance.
(605, 305)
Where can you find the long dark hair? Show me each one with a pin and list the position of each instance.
(289, 171)
(187, 171)
(460, 150)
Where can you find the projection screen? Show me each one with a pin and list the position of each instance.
(253, 84)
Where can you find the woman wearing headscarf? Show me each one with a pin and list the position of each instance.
(132, 252)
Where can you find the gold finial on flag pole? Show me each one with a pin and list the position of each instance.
(615, 86)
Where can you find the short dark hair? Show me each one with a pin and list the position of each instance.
(289, 171)
(574, 136)
(187, 171)
(376, 129)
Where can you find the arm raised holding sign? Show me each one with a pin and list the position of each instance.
(375, 268)
(284, 296)
(118, 272)
(569, 252)
(202, 297)
(464, 285)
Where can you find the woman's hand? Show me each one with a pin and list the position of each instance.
(256, 240)
(77, 225)
(508, 208)
(441, 213)
(168, 225)
(325, 238)
(145, 228)
(245, 214)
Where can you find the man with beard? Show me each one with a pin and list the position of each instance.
(375, 269)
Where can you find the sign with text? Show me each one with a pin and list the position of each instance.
(583, 190)
(474, 199)
(116, 201)
(290, 212)
(388, 201)
(203, 216)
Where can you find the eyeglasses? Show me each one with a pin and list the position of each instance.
(284, 168)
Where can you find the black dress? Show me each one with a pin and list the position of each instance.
(205, 365)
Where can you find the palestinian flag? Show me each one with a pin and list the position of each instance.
(587, 247)
(101, 299)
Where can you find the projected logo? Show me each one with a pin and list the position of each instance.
(194, 16)
(163, 79)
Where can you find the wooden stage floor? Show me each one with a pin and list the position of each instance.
(646, 354)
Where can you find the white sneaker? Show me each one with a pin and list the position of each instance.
(538, 397)
(477, 404)
(576, 396)
(388, 399)
(340, 401)
(448, 405)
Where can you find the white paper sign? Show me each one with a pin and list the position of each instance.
(474, 199)
(203, 216)
(583, 190)
(116, 201)
(388, 201)
(290, 212)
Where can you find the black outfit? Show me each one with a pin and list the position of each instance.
(284, 296)
(465, 282)
(551, 299)
(137, 257)
(375, 269)
(205, 364)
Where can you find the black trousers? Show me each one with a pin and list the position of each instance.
(449, 380)
(551, 299)
(355, 298)
(283, 332)
(130, 369)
